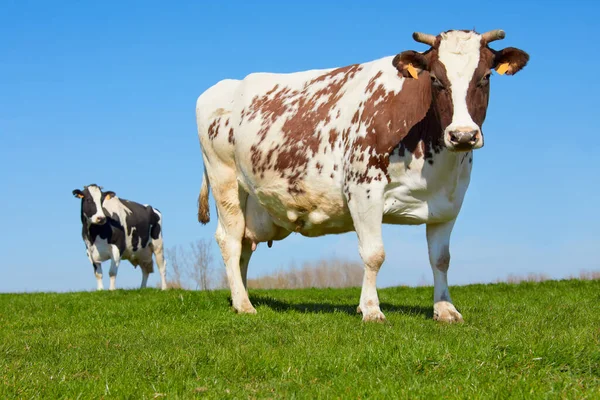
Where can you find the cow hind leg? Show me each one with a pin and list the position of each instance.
(366, 209)
(438, 242)
(147, 268)
(114, 266)
(159, 255)
(245, 260)
(229, 235)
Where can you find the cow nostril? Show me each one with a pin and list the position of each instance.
(473, 137)
(463, 138)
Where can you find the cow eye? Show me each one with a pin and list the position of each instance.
(485, 80)
(436, 82)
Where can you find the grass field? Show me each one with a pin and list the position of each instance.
(519, 340)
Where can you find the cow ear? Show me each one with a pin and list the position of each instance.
(108, 195)
(510, 60)
(78, 193)
(410, 64)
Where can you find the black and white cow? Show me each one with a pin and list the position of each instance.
(117, 229)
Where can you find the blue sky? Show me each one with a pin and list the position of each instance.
(104, 92)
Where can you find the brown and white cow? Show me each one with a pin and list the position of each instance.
(347, 149)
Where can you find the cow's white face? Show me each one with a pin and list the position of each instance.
(459, 65)
(459, 53)
(91, 204)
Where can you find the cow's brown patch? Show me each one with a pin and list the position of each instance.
(479, 87)
(213, 128)
(230, 137)
(424, 138)
(309, 109)
(333, 135)
(387, 117)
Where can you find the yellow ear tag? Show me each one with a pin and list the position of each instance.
(502, 68)
(80, 196)
(412, 71)
(108, 197)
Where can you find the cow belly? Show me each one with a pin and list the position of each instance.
(141, 256)
(317, 211)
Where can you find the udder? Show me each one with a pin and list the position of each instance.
(260, 226)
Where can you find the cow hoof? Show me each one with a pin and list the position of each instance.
(446, 312)
(373, 315)
(246, 309)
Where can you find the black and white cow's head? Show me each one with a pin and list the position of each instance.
(92, 198)
(458, 66)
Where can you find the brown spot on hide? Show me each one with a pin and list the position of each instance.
(333, 135)
(443, 261)
(478, 92)
(308, 109)
(423, 139)
(387, 117)
(213, 128)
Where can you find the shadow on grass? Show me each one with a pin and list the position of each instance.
(279, 305)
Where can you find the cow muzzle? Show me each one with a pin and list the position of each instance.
(98, 219)
(463, 139)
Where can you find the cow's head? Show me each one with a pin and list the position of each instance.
(92, 198)
(459, 65)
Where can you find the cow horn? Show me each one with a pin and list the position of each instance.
(496, 34)
(424, 38)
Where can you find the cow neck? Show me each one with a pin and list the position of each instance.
(424, 139)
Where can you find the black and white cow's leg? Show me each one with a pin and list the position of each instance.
(438, 243)
(147, 268)
(366, 208)
(159, 255)
(115, 260)
(162, 267)
(98, 274)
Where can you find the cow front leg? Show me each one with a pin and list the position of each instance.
(97, 271)
(366, 208)
(438, 243)
(114, 266)
(98, 274)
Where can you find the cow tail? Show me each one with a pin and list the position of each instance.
(203, 209)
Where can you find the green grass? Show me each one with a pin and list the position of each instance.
(537, 340)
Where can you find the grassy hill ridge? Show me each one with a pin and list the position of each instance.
(529, 339)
